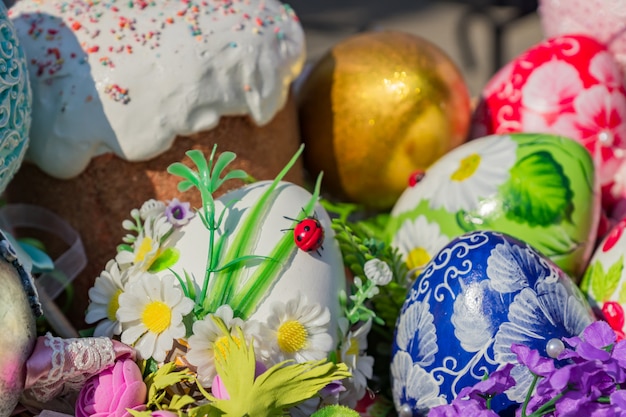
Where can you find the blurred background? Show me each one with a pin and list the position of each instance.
(478, 35)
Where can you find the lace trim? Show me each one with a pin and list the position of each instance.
(73, 362)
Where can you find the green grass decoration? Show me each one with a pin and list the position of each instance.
(249, 296)
(207, 179)
(227, 281)
(224, 272)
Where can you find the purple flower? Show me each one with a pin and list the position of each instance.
(333, 389)
(178, 213)
(596, 340)
(498, 382)
(462, 408)
(531, 358)
(618, 399)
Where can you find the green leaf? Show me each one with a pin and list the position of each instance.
(538, 192)
(191, 179)
(282, 386)
(235, 174)
(222, 162)
(335, 411)
(166, 259)
(601, 286)
(201, 163)
(135, 413)
(178, 402)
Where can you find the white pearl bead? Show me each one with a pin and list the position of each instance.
(405, 411)
(554, 347)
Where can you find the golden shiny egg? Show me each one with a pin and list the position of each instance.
(376, 108)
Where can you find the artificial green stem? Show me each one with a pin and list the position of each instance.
(546, 408)
(208, 206)
(529, 394)
(361, 297)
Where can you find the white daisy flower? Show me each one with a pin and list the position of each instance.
(378, 271)
(297, 330)
(103, 298)
(151, 312)
(207, 337)
(148, 245)
(473, 172)
(419, 241)
(467, 175)
(361, 366)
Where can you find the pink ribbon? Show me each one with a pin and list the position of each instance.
(60, 367)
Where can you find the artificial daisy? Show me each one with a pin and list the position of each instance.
(360, 365)
(148, 246)
(271, 393)
(151, 311)
(467, 175)
(103, 298)
(207, 337)
(297, 330)
(419, 241)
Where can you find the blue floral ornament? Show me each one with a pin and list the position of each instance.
(482, 293)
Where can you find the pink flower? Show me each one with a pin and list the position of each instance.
(551, 88)
(112, 392)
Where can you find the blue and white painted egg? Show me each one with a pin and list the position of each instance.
(480, 294)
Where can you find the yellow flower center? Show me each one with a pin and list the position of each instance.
(144, 248)
(113, 306)
(354, 348)
(417, 258)
(157, 317)
(292, 336)
(220, 346)
(467, 168)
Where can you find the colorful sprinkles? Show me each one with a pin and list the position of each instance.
(83, 16)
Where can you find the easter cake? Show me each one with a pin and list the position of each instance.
(122, 89)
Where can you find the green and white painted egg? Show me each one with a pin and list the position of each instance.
(274, 274)
(538, 188)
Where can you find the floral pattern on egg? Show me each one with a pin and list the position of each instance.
(418, 241)
(567, 85)
(604, 281)
(536, 187)
(481, 293)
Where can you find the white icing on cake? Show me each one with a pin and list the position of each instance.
(129, 76)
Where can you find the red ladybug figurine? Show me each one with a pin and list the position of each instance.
(309, 234)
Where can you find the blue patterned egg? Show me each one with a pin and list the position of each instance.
(15, 101)
(480, 294)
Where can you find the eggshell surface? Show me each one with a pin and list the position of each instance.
(536, 187)
(483, 292)
(319, 275)
(568, 85)
(604, 281)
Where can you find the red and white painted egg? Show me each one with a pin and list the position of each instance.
(567, 85)
(605, 20)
